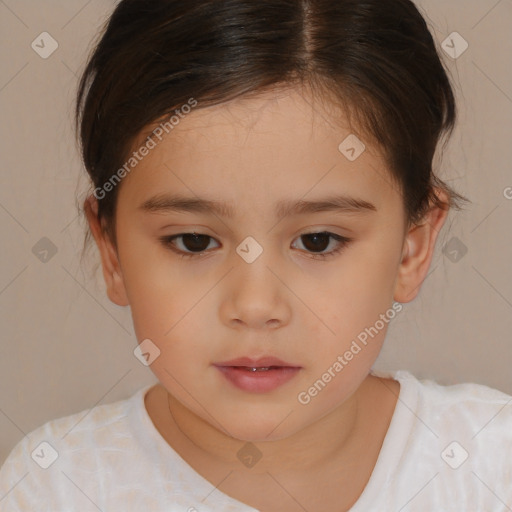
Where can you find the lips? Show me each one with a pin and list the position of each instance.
(257, 375)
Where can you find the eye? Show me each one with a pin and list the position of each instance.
(318, 242)
(196, 243)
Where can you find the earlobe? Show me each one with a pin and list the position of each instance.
(112, 274)
(417, 253)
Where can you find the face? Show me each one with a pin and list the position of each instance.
(259, 278)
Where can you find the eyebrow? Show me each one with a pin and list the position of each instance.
(164, 203)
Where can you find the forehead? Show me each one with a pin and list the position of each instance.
(282, 145)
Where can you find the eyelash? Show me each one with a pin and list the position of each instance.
(343, 242)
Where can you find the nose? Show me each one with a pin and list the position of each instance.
(256, 297)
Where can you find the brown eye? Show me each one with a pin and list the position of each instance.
(316, 243)
(190, 244)
(195, 242)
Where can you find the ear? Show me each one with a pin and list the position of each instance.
(417, 251)
(112, 274)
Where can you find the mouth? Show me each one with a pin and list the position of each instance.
(257, 375)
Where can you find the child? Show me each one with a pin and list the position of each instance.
(262, 129)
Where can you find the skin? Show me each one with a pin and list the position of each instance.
(254, 152)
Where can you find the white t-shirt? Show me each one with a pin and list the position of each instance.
(448, 448)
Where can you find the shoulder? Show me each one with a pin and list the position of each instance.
(71, 432)
(459, 435)
(472, 410)
(38, 467)
(466, 401)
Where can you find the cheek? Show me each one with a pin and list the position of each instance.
(361, 286)
(356, 304)
(162, 296)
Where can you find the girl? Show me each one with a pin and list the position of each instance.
(264, 200)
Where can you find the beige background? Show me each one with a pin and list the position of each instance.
(65, 348)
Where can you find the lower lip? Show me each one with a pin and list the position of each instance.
(259, 381)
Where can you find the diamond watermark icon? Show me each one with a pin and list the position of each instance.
(454, 455)
(249, 455)
(249, 249)
(454, 45)
(44, 45)
(454, 250)
(44, 455)
(44, 249)
(146, 352)
(352, 147)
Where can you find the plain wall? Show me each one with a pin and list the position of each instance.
(66, 348)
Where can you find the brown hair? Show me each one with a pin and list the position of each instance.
(375, 58)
